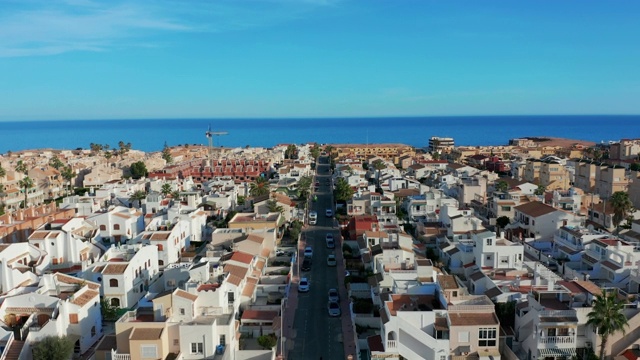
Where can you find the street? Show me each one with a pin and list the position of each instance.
(317, 335)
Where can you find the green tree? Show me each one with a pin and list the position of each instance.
(607, 317)
(502, 221)
(502, 186)
(304, 187)
(137, 196)
(622, 206)
(166, 154)
(109, 312)
(273, 206)
(540, 190)
(634, 167)
(166, 189)
(241, 200)
(344, 191)
(259, 187)
(267, 341)
(95, 148)
(315, 152)
(138, 170)
(56, 163)
(53, 348)
(68, 174)
(26, 183)
(175, 194)
(291, 152)
(21, 167)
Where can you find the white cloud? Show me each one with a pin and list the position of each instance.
(32, 28)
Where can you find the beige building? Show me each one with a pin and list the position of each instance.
(634, 189)
(585, 176)
(554, 176)
(386, 151)
(610, 179)
(532, 170)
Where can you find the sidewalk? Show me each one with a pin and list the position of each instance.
(291, 305)
(348, 336)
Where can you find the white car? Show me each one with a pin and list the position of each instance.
(308, 252)
(331, 260)
(303, 285)
(333, 295)
(333, 308)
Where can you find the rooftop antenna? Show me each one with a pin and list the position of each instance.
(210, 134)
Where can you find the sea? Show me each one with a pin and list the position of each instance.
(152, 134)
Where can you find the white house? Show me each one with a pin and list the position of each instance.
(118, 224)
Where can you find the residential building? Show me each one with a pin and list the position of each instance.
(610, 179)
(539, 221)
(118, 224)
(441, 144)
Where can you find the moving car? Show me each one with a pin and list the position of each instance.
(308, 252)
(329, 213)
(333, 295)
(331, 244)
(333, 308)
(304, 285)
(331, 260)
(313, 217)
(306, 265)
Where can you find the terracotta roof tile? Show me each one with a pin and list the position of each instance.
(472, 319)
(260, 315)
(115, 269)
(535, 209)
(185, 295)
(85, 297)
(145, 333)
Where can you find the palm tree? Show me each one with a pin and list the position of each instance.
(56, 163)
(3, 173)
(540, 190)
(166, 189)
(273, 206)
(259, 187)
(607, 317)
(138, 196)
(68, 174)
(621, 206)
(304, 187)
(26, 183)
(22, 167)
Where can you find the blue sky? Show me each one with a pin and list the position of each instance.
(83, 59)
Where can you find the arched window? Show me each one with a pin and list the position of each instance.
(160, 262)
(113, 282)
(115, 302)
(116, 226)
(103, 227)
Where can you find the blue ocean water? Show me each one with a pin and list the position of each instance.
(150, 135)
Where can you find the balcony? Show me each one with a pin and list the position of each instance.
(557, 340)
(391, 344)
(116, 356)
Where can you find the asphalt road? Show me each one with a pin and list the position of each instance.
(317, 334)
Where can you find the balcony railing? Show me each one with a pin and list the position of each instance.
(116, 356)
(391, 344)
(558, 340)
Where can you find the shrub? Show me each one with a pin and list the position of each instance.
(267, 341)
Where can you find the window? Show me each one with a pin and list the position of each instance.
(463, 337)
(73, 318)
(489, 241)
(160, 262)
(176, 342)
(116, 226)
(487, 337)
(160, 247)
(197, 348)
(103, 227)
(115, 302)
(182, 311)
(148, 351)
(443, 357)
(113, 282)
(223, 340)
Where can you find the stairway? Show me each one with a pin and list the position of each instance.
(13, 353)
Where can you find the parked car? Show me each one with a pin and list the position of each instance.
(308, 252)
(333, 295)
(333, 308)
(304, 285)
(329, 213)
(306, 265)
(331, 260)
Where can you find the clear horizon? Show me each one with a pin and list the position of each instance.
(123, 59)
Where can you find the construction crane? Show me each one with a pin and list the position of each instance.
(210, 134)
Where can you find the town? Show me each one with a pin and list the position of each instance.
(529, 250)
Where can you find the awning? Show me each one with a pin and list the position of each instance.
(556, 352)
